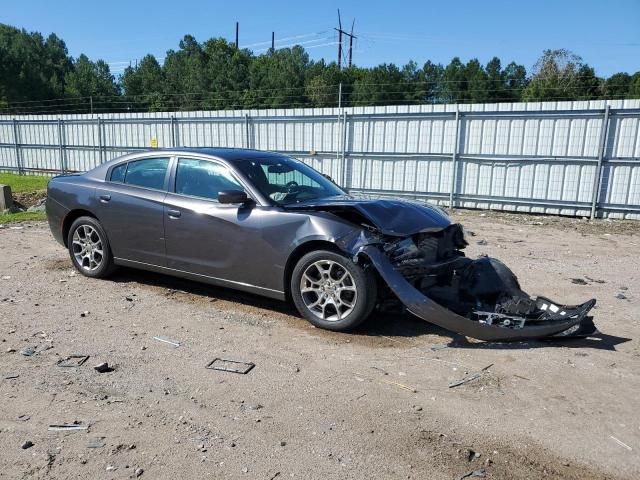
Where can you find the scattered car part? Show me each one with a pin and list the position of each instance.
(171, 342)
(67, 427)
(103, 368)
(233, 366)
(73, 361)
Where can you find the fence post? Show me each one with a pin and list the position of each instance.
(61, 146)
(16, 141)
(454, 159)
(174, 143)
(100, 160)
(346, 180)
(595, 193)
(246, 130)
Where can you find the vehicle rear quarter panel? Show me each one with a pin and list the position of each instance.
(65, 194)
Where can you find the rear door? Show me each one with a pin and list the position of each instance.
(130, 208)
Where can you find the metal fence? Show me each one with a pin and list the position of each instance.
(567, 158)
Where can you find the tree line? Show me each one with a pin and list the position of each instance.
(37, 75)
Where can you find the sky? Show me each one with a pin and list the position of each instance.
(606, 34)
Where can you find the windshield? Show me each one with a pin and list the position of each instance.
(286, 181)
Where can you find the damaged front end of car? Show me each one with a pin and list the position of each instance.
(423, 264)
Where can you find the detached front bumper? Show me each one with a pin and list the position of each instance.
(571, 321)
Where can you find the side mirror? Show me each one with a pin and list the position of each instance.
(233, 196)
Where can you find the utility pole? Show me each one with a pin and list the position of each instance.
(339, 49)
(273, 41)
(351, 37)
(237, 31)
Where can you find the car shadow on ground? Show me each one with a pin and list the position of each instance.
(393, 325)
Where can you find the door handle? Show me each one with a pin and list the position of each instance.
(105, 198)
(173, 213)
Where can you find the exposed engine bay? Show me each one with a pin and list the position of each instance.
(484, 290)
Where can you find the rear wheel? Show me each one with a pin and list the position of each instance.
(331, 291)
(89, 248)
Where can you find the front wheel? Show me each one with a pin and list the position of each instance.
(331, 291)
(89, 248)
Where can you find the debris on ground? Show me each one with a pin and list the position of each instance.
(621, 443)
(23, 418)
(103, 368)
(73, 361)
(401, 385)
(470, 377)
(174, 343)
(594, 280)
(11, 376)
(96, 443)
(578, 281)
(621, 296)
(84, 314)
(63, 427)
(233, 366)
(26, 444)
(28, 351)
(139, 471)
(480, 473)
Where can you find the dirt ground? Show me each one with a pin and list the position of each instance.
(317, 405)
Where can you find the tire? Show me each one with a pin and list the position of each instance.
(89, 248)
(338, 302)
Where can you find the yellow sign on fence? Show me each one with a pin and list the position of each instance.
(154, 143)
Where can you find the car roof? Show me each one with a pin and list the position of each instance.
(229, 154)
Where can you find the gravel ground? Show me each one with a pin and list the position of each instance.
(317, 405)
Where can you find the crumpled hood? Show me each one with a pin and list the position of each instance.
(391, 217)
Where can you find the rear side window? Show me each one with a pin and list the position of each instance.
(148, 173)
(117, 174)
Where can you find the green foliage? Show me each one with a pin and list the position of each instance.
(22, 217)
(90, 79)
(19, 184)
(216, 75)
(562, 75)
(24, 183)
(31, 68)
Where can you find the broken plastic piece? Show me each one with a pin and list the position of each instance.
(231, 366)
(67, 427)
(175, 343)
(73, 361)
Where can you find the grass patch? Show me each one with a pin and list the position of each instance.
(22, 217)
(24, 183)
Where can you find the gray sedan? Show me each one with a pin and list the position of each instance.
(270, 225)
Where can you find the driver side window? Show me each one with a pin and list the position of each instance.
(284, 178)
(203, 178)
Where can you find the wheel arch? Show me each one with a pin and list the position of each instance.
(71, 217)
(299, 252)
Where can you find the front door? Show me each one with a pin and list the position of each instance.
(204, 236)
